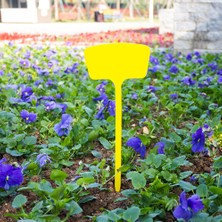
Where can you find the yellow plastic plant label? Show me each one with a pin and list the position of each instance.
(117, 62)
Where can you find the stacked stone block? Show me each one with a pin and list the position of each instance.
(198, 25)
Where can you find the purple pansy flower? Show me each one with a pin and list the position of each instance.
(50, 53)
(49, 83)
(219, 79)
(137, 145)
(154, 60)
(42, 72)
(63, 128)
(207, 130)
(1, 72)
(134, 96)
(219, 72)
(198, 141)
(25, 63)
(101, 87)
(154, 69)
(100, 114)
(161, 146)
(9, 175)
(213, 66)
(169, 57)
(189, 56)
(27, 54)
(45, 98)
(103, 97)
(197, 54)
(152, 89)
(188, 207)
(28, 117)
(166, 77)
(188, 81)
(62, 106)
(104, 102)
(26, 93)
(193, 178)
(38, 82)
(111, 108)
(50, 105)
(200, 61)
(72, 69)
(174, 97)
(174, 69)
(59, 96)
(42, 159)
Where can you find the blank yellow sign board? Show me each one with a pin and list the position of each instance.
(117, 62)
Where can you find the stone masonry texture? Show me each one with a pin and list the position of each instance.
(197, 25)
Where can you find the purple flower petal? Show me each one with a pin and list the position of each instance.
(198, 141)
(160, 146)
(195, 203)
(42, 159)
(111, 108)
(182, 213)
(183, 200)
(137, 145)
(64, 127)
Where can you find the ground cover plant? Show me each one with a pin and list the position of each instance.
(57, 139)
(148, 36)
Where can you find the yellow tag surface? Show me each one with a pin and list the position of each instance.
(117, 62)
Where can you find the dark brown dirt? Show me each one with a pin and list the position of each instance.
(201, 164)
(104, 199)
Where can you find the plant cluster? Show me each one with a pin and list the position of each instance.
(54, 118)
(148, 36)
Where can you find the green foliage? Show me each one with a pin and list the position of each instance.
(87, 152)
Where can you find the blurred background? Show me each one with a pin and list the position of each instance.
(81, 10)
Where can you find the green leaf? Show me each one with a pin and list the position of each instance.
(58, 193)
(216, 190)
(19, 201)
(106, 144)
(85, 181)
(102, 218)
(27, 220)
(44, 186)
(58, 176)
(131, 214)
(13, 152)
(37, 207)
(186, 186)
(113, 216)
(73, 208)
(151, 173)
(87, 199)
(173, 136)
(202, 190)
(19, 137)
(179, 161)
(185, 174)
(88, 110)
(6, 115)
(96, 154)
(138, 180)
(30, 140)
(54, 140)
(158, 186)
(66, 163)
(217, 162)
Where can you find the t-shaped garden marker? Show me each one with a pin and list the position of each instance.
(117, 62)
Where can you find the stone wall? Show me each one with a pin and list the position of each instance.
(198, 25)
(166, 20)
